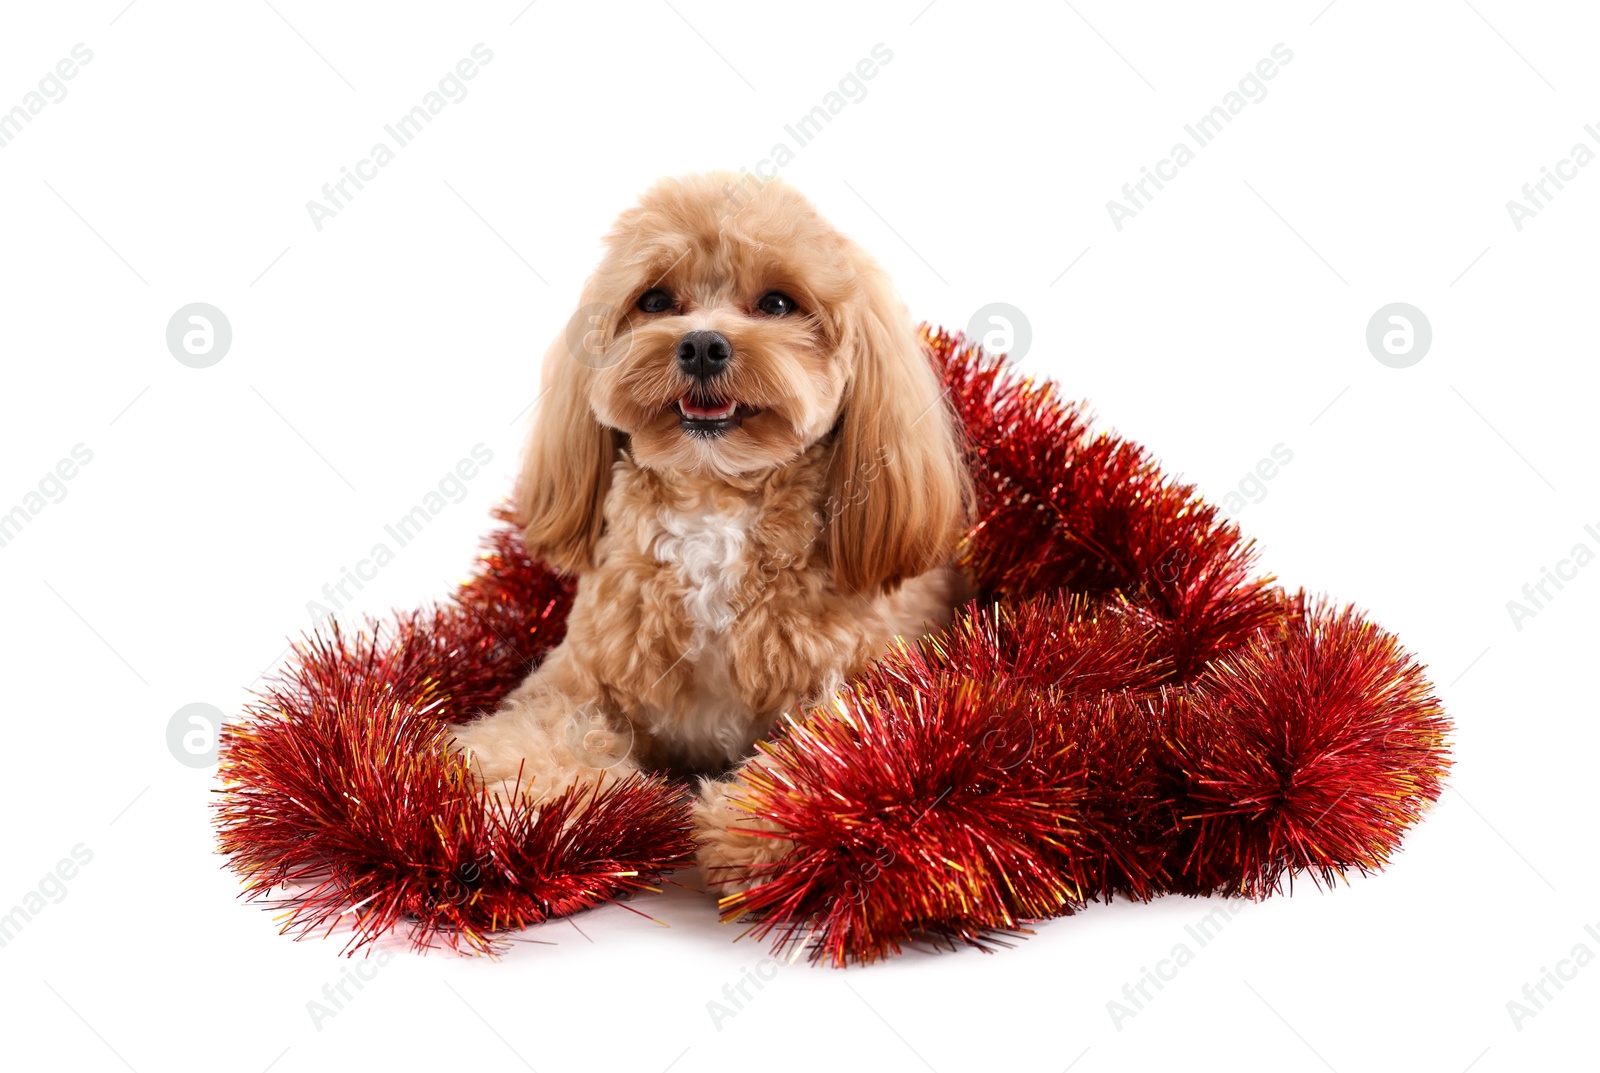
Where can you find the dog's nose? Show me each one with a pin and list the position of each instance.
(704, 354)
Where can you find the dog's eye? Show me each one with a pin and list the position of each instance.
(655, 300)
(776, 304)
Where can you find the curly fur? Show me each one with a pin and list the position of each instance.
(725, 580)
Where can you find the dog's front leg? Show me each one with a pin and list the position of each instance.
(732, 855)
(550, 734)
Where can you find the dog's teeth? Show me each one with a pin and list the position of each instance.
(705, 413)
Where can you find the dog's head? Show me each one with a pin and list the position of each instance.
(727, 331)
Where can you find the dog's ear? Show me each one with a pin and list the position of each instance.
(566, 470)
(899, 493)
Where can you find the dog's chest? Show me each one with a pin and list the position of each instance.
(706, 553)
(703, 555)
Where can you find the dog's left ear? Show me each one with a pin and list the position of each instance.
(899, 495)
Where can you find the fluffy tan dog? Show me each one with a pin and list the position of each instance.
(744, 456)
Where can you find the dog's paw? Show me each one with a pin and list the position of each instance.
(512, 762)
(731, 859)
(502, 771)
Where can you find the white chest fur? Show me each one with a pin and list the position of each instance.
(708, 551)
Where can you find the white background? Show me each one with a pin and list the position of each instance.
(1224, 319)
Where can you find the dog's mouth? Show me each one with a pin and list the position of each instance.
(701, 416)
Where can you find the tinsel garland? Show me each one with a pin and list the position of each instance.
(340, 788)
(1188, 726)
(1128, 709)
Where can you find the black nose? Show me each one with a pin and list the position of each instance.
(703, 354)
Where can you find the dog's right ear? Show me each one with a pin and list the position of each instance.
(566, 471)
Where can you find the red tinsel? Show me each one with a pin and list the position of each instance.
(1128, 709)
(342, 787)
(1190, 727)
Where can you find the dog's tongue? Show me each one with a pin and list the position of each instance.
(708, 411)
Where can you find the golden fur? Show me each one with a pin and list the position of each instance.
(724, 580)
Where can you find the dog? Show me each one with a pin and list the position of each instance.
(744, 456)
